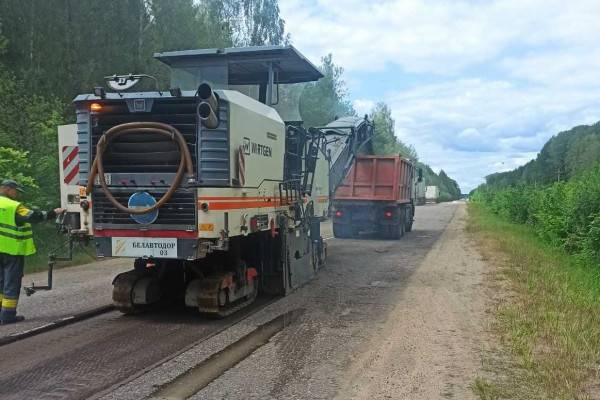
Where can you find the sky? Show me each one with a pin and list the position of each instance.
(477, 86)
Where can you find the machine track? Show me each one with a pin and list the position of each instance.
(223, 312)
(122, 292)
(211, 305)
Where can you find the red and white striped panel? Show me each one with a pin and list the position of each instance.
(241, 166)
(70, 163)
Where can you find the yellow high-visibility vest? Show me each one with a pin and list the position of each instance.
(14, 240)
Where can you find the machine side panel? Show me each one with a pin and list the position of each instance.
(71, 156)
(213, 151)
(67, 142)
(320, 193)
(260, 133)
(83, 141)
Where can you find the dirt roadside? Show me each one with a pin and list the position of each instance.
(432, 343)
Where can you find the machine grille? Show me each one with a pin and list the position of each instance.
(146, 153)
(178, 214)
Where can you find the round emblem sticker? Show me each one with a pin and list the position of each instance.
(142, 200)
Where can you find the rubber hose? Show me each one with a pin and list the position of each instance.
(185, 162)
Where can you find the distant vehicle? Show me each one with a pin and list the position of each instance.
(432, 194)
(420, 193)
(377, 195)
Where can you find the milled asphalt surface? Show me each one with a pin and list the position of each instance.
(349, 302)
(85, 358)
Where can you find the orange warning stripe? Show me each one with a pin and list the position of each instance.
(237, 202)
(230, 205)
(234, 198)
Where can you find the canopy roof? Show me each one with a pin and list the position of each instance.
(248, 65)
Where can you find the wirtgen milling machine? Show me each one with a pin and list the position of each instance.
(214, 187)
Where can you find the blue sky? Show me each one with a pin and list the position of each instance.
(476, 86)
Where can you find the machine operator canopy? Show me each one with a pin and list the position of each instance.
(256, 72)
(238, 66)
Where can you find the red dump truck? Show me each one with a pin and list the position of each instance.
(377, 196)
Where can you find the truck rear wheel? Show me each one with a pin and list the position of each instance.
(395, 231)
(402, 225)
(410, 218)
(341, 231)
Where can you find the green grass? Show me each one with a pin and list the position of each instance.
(547, 317)
(48, 240)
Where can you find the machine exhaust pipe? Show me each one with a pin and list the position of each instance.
(207, 115)
(207, 95)
(208, 107)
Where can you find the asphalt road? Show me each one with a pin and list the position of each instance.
(350, 304)
(82, 359)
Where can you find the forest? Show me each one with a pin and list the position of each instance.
(563, 157)
(557, 193)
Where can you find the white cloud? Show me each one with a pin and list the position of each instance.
(477, 86)
(363, 106)
(434, 36)
(485, 124)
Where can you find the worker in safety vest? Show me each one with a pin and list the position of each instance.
(16, 242)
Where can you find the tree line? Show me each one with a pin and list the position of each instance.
(557, 193)
(565, 156)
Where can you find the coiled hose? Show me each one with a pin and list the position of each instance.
(185, 162)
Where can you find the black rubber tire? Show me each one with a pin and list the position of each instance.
(393, 232)
(396, 231)
(340, 231)
(409, 222)
(402, 224)
(385, 232)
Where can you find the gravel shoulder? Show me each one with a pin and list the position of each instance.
(431, 345)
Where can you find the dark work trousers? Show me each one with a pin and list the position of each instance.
(11, 275)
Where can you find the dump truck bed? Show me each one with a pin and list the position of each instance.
(378, 178)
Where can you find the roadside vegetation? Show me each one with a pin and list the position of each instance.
(566, 215)
(565, 212)
(541, 224)
(546, 314)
